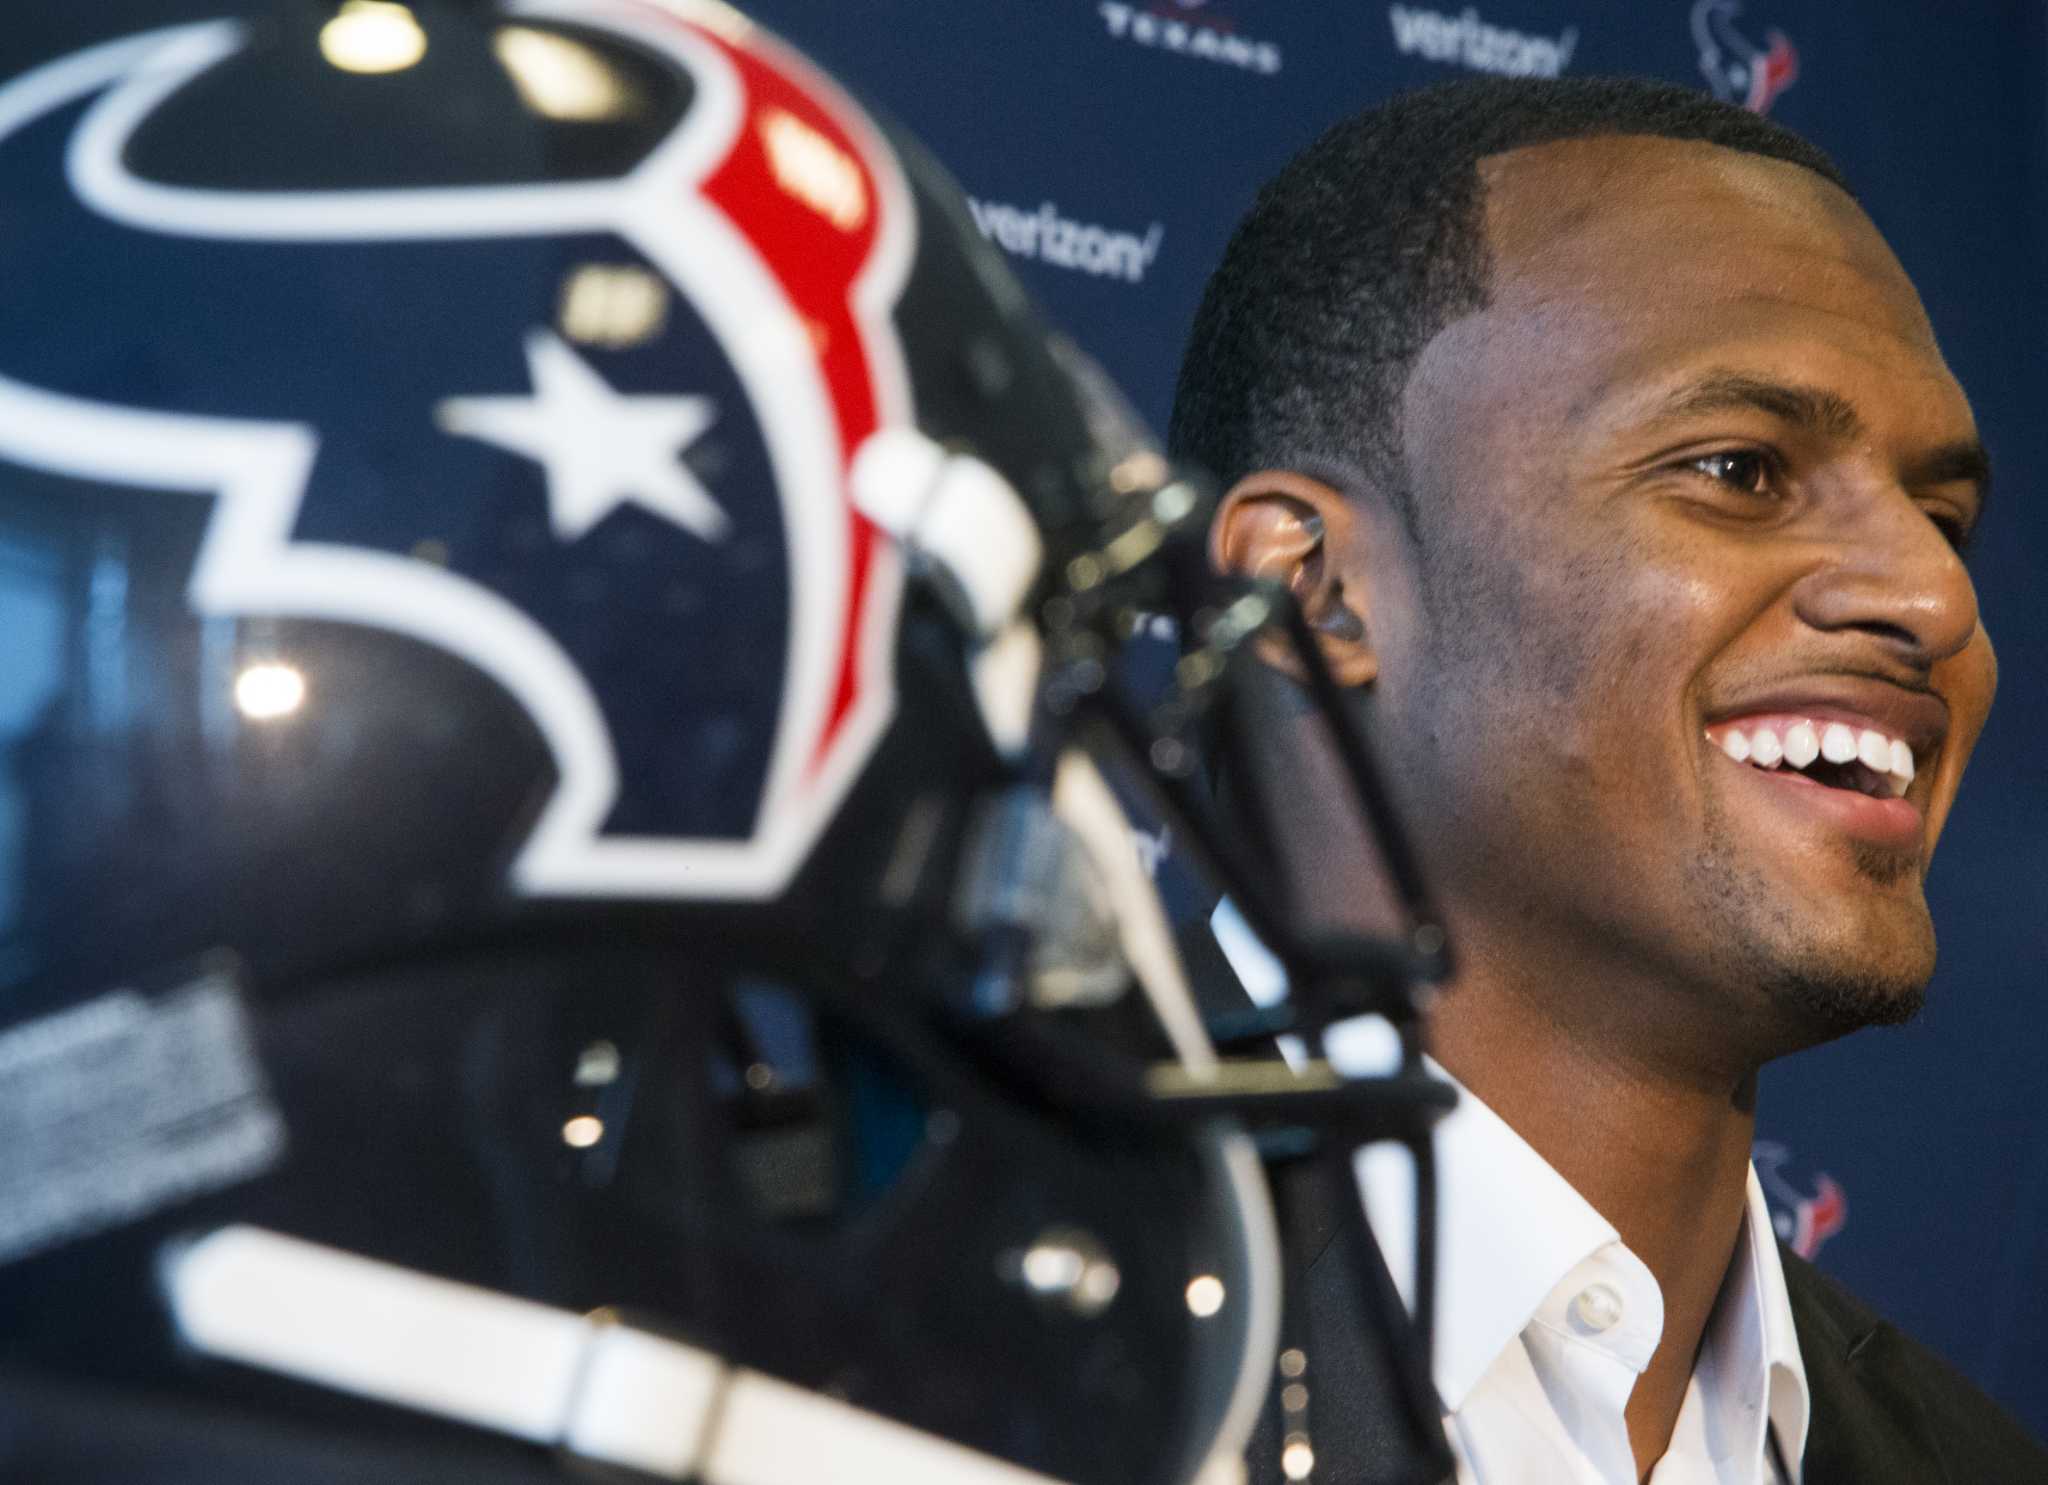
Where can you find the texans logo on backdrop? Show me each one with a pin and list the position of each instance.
(1804, 1218)
(543, 411)
(1736, 68)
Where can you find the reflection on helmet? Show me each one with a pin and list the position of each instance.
(551, 908)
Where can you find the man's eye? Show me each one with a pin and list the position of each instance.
(1740, 469)
(1954, 529)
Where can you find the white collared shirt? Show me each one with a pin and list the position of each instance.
(1545, 1319)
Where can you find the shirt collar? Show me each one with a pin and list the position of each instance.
(1510, 1228)
(1757, 1281)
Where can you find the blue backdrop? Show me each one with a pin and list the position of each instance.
(1109, 147)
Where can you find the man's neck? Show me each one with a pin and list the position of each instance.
(1663, 1158)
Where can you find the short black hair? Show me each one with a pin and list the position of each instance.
(1369, 242)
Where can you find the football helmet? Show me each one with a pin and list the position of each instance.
(555, 912)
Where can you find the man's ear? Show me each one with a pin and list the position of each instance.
(1295, 530)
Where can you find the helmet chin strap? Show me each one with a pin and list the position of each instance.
(587, 1384)
(1083, 799)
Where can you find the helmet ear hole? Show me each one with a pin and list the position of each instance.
(819, 1125)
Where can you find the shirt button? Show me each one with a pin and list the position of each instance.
(1597, 1307)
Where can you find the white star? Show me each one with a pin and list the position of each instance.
(600, 448)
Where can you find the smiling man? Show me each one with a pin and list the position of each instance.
(1612, 455)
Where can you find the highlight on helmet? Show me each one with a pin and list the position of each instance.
(559, 903)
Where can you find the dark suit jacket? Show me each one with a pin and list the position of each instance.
(1886, 1410)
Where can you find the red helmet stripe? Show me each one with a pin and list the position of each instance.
(801, 186)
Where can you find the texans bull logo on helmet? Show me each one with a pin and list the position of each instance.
(698, 455)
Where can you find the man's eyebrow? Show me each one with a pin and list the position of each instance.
(1809, 408)
(1826, 413)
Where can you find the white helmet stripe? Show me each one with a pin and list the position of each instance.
(585, 1383)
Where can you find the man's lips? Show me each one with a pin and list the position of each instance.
(1911, 714)
(1843, 752)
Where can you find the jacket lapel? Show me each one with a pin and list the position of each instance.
(1869, 1425)
(1373, 1417)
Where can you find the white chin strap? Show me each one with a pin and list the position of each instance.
(587, 1384)
(1083, 798)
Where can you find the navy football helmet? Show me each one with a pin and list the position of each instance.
(554, 912)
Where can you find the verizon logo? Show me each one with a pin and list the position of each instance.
(1464, 40)
(1084, 247)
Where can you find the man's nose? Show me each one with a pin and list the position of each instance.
(1894, 576)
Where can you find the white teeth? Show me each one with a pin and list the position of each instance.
(1901, 773)
(1837, 742)
(1802, 745)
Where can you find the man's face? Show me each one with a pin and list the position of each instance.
(1696, 472)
